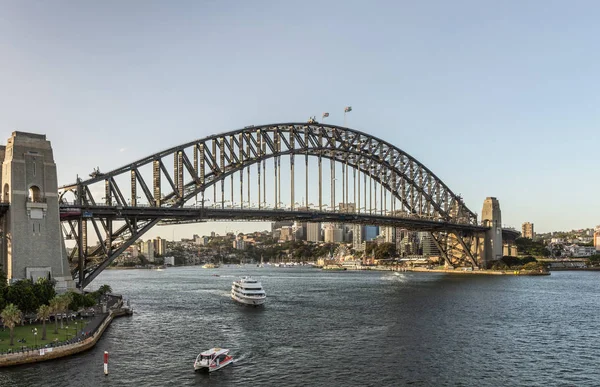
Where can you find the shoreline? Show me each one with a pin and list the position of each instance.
(453, 271)
(51, 353)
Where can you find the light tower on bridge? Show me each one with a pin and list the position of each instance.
(32, 243)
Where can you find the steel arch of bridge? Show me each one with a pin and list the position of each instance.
(200, 164)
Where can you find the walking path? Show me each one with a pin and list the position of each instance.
(91, 333)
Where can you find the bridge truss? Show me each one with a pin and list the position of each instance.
(238, 175)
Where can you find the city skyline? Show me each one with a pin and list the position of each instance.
(487, 97)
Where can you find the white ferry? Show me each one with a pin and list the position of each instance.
(212, 359)
(248, 291)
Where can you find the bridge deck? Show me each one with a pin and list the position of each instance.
(192, 214)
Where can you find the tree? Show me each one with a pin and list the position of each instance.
(385, 250)
(89, 300)
(44, 290)
(3, 281)
(65, 302)
(104, 289)
(11, 316)
(22, 295)
(43, 313)
(55, 310)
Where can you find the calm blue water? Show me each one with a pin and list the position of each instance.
(343, 329)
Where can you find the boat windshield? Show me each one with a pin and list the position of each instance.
(203, 358)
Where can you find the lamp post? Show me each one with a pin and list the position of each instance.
(35, 336)
(67, 333)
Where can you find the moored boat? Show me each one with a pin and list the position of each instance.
(248, 291)
(212, 359)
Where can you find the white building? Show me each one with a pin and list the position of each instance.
(580, 251)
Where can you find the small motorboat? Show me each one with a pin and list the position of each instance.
(212, 359)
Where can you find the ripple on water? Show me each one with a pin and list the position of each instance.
(350, 328)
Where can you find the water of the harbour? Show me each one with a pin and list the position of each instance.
(342, 329)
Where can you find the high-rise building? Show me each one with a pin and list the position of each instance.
(527, 230)
(313, 232)
(428, 246)
(371, 233)
(358, 233)
(597, 238)
(287, 234)
(299, 230)
(159, 246)
(333, 233)
(148, 250)
(389, 234)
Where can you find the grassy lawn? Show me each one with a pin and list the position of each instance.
(26, 332)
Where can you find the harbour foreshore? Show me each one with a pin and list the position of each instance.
(44, 354)
(451, 271)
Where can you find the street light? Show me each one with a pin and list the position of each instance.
(67, 333)
(34, 330)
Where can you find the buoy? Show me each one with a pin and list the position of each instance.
(105, 363)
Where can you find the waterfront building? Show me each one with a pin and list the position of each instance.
(580, 251)
(147, 250)
(527, 230)
(597, 238)
(159, 246)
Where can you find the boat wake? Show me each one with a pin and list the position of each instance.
(240, 359)
(396, 277)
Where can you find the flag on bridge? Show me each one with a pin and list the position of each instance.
(325, 115)
(347, 109)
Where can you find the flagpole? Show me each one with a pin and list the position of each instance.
(346, 110)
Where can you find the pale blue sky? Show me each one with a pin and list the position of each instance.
(496, 98)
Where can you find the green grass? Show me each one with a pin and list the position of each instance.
(25, 332)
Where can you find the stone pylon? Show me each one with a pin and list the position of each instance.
(32, 245)
(492, 245)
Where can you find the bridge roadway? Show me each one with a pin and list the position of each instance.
(172, 215)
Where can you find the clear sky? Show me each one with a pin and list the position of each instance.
(496, 98)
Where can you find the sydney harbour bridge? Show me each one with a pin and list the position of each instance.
(308, 172)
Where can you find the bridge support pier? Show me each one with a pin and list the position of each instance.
(491, 248)
(34, 246)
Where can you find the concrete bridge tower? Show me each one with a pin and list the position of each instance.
(491, 217)
(32, 246)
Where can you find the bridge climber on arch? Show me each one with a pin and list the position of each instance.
(238, 176)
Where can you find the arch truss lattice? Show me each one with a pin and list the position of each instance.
(156, 188)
